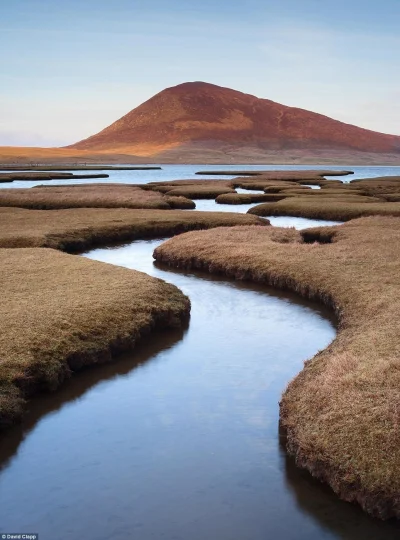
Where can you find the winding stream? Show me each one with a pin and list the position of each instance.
(179, 439)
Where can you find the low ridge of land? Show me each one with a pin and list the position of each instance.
(79, 229)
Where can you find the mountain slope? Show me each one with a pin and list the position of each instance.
(210, 116)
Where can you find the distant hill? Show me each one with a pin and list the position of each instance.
(197, 119)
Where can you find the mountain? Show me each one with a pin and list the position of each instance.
(200, 118)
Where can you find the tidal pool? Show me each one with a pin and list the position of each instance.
(179, 440)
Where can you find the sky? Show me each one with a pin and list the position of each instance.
(69, 68)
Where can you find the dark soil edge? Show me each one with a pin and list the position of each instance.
(34, 383)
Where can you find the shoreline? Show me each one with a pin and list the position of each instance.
(61, 287)
(68, 325)
(324, 400)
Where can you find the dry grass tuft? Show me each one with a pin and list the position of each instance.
(341, 414)
(81, 228)
(61, 313)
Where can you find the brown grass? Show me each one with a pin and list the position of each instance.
(78, 167)
(248, 198)
(81, 228)
(189, 182)
(341, 414)
(262, 185)
(280, 175)
(196, 191)
(331, 192)
(60, 313)
(180, 203)
(339, 208)
(262, 182)
(277, 188)
(337, 201)
(42, 176)
(90, 196)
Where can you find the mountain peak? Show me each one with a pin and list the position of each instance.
(204, 114)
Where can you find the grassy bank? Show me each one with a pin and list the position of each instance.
(341, 413)
(282, 175)
(76, 167)
(248, 198)
(82, 228)
(44, 176)
(336, 208)
(287, 194)
(61, 313)
(91, 196)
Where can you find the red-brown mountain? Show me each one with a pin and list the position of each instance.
(201, 115)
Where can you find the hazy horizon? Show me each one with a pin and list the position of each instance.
(70, 70)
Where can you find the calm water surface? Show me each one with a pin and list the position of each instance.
(175, 172)
(179, 440)
(299, 223)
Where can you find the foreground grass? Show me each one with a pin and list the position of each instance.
(60, 313)
(91, 196)
(82, 228)
(341, 414)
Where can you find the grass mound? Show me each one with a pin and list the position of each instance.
(247, 198)
(42, 176)
(281, 175)
(200, 191)
(90, 196)
(339, 208)
(61, 313)
(78, 167)
(341, 413)
(336, 201)
(81, 228)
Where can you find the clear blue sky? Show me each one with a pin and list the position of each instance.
(69, 68)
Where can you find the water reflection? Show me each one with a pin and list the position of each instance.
(74, 389)
(180, 440)
(318, 501)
